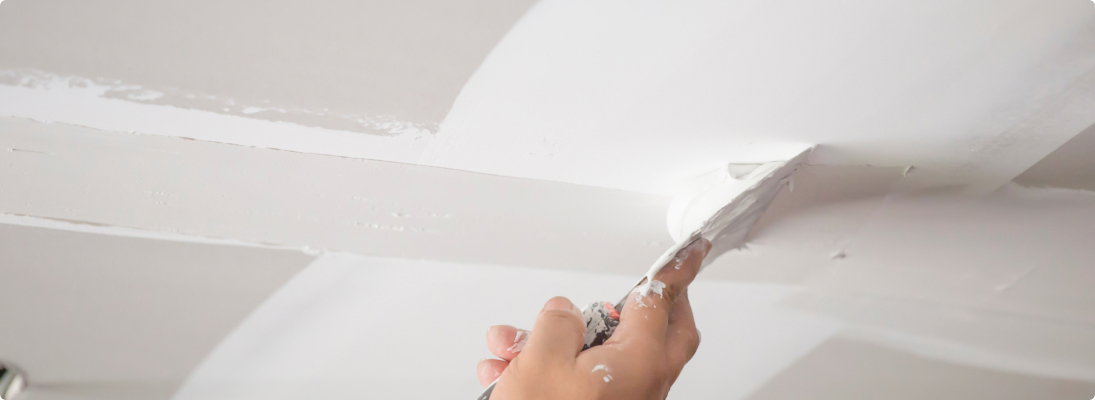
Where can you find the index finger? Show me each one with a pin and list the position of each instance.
(647, 316)
(681, 270)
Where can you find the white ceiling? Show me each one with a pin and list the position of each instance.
(633, 96)
(641, 95)
(897, 269)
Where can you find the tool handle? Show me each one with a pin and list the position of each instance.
(601, 320)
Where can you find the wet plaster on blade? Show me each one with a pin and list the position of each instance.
(325, 203)
(721, 207)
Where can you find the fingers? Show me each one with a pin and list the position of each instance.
(505, 341)
(683, 339)
(647, 316)
(682, 269)
(558, 335)
(489, 370)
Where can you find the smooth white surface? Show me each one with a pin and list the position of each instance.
(78, 226)
(116, 317)
(371, 67)
(358, 327)
(640, 95)
(632, 95)
(319, 202)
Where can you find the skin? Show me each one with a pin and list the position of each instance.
(656, 337)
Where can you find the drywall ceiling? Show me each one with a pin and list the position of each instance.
(845, 361)
(319, 319)
(996, 284)
(904, 271)
(641, 95)
(153, 183)
(1070, 166)
(634, 96)
(107, 317)
(377, 67)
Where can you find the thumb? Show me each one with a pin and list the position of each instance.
(558, 335)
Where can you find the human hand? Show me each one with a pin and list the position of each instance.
(656, 337)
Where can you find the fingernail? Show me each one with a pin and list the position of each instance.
(562, 303)
(519, 342)
(521, 335)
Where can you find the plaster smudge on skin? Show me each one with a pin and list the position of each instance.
(599, 367)
(656, 286)
(519, 341)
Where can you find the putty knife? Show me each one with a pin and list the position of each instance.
(720, 206)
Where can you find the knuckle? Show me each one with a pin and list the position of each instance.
(671, 293)
(693, 343)
(563, 318)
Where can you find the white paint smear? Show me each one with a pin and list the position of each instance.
(79, 101)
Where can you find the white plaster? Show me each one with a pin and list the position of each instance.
(81, 101)
(721, 207)
(383, 61)
(281, 198)
(640, 96)
(670, 91)
(635, 96)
